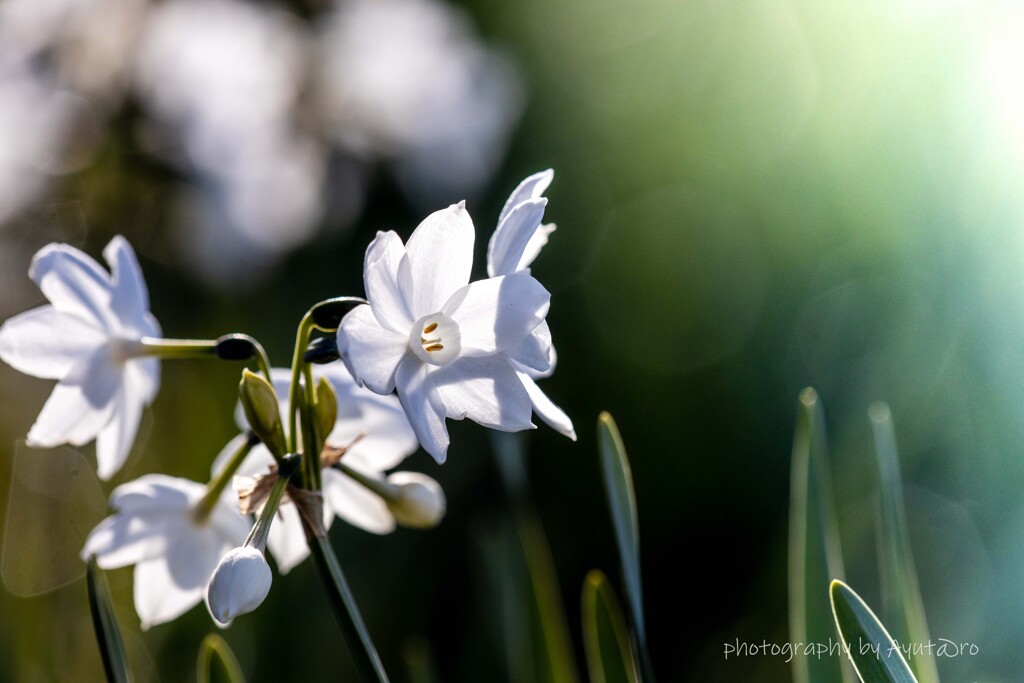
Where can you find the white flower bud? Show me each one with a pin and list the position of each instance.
(418, 501)
(239, 584)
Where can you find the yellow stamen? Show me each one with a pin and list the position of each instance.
(434, 347)
(429, 328)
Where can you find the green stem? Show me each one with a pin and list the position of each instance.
(262, 359)
(346, 611)
(175, 348)
(384, 489)
(261, 529)
(204, 508)
(298, 361)
(310, 434)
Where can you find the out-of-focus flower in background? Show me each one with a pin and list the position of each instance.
(408, 81)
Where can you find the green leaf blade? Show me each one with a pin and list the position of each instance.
(874, 653)
(108, 635)
(605, 638)
(901, 592)
(216, 662)
(815, 552)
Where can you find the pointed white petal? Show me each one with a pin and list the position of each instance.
(423, 406)
(74, 283)
(531, 188)
(509, 241)
(546, 409)
(380, 277)
(486, 390)
(145, 373)
(159, 597)
(498, 312)
(356, 504)
(80, 405)
(46, 343)
(371, 352)
(130, 298)
(124, 539)
(533, 247)
(440, 258)
(287, 540)
(115, 440)
(535, 352)
(155, 493)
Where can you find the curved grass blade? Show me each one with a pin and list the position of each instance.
(605, 638)
(875, 655)
(108, 636)
(217, 663)
(815, 553)
(901, 593)
(618, 479)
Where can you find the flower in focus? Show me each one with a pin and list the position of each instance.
(516, 242)
(445, 344)
(239, 584)
(175, 550)
(90, 338)
(375, 435)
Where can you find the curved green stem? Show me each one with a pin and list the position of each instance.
(204, 507)
(298, 361)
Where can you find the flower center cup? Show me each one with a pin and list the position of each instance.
(436, 339)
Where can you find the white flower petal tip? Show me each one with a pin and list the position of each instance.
(239, 585)
(419, 501)
(88, 337)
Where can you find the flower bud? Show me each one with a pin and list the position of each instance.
(418, 500)
(262, 411)
(239, 584)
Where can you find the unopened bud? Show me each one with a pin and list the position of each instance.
(239, 584)
(418, 500)
(262, 411)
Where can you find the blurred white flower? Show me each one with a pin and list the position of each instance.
(377, 437)
(156, 528)
(444, 343)
(36, 118)
(418, 500)
(516, 242)
(408, 80)
(239, 584)
(223, 77)
(89, 338)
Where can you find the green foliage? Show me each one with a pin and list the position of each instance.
(108, 635)
(875, 655)
(605, 638)
(216, 662)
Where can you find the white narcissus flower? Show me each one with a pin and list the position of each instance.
(90, 338)
(239, 584)
(444, 343)
(156, 528)
(516, 241)
(377, 437)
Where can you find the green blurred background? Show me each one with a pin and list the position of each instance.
(751, 197)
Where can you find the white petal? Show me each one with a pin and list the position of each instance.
(440, 258)
(509, 241)
(80, 405)
(123, 539)
(145, 374)
(387, 436)
(548, 411)
(371, 352)
(423, 406)
(533, 247)
(380, 277)
(159, 598)
(535, 351)
(130, 298)
(46, 343)
(356, 504)
(531, 188)
(115, 440)
(498, 312)
(155, 493)
(486, 390)
(74, 283)
(287, 540)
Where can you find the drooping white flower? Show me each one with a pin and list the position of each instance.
(90, 338)
(444, 343)
(516, 242)
(377, 437)
(239, 584)
(155, 527)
